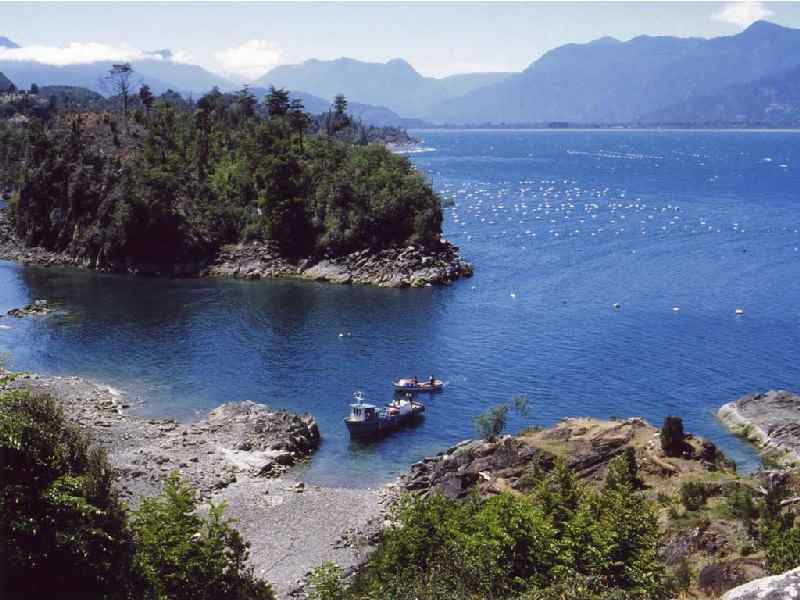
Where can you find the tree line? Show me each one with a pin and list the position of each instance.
(168, 180)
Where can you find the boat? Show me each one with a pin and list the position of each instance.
(367, 420)
(409, 385)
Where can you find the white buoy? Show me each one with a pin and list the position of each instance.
(739, 312)
(341, 335)
(676, 309)
(513, 295)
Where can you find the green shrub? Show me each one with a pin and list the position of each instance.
(562, 539)
(63, 531)
(184, 556)
(693, 495)
(740, 504)
(491, 424)
(326, 583)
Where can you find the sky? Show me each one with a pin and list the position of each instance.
(245, 40)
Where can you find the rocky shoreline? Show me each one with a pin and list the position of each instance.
(770, 420)
(241, 454)
(587, 445)
(412, 266)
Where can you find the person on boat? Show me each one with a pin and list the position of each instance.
(414, 380)
(432, 381)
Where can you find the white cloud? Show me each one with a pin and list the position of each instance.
(76, 53)
(72, 54)
(250, 60)
(183, 57)
(742, 13)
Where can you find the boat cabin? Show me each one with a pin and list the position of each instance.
(363, 412)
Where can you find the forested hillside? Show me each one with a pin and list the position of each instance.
(167, 182)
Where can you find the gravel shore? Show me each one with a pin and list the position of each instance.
(242, 454)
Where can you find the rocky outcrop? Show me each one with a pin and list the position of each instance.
(241, 440)
(770, 420)
(38, 307)
(413, 266)
(777, 587)
(586, 445)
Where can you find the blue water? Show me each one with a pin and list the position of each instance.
(560, 225)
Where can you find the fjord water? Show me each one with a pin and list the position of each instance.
(561, 225)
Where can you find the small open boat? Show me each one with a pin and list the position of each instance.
(426, 385)
(367, 420)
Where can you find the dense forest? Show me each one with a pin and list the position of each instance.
(169, 180)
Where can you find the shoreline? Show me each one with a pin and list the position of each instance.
(410, 266)
(770, 421)
(243, 454)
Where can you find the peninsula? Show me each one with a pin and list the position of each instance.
(226, 186)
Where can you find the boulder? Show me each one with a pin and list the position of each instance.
(770, 420)
(778, 587)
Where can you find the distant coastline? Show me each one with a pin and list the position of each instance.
(608, 127)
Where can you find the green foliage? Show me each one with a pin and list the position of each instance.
(740, 504)
(672, 436)
(63, 531)
(624, 471)
(783, 550)
(326, 583)
(562, 541)
(184, 556)
(185, 180)
(490, 424)
(778, 531)
(693, 495)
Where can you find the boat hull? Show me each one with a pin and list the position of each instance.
(419, 388)
(382, 425)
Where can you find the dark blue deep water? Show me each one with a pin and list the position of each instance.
(560, 225)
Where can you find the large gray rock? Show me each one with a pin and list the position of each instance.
(777, 587)
(770, 420)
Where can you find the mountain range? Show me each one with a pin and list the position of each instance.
(394, 84)
(750, 77)
(609, 81)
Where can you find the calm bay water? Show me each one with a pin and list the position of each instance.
(561, 225)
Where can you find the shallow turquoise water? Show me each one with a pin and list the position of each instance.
(561, 225)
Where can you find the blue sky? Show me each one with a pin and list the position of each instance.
(244, 40)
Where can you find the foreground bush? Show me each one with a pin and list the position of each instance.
(183, 556)
(563, 541)
(65, 533)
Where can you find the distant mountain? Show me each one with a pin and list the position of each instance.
(5, 83)
(379, 116)
(89, 76)
(773, 100)
(160, 74)
(609, 81)
(394, 84)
